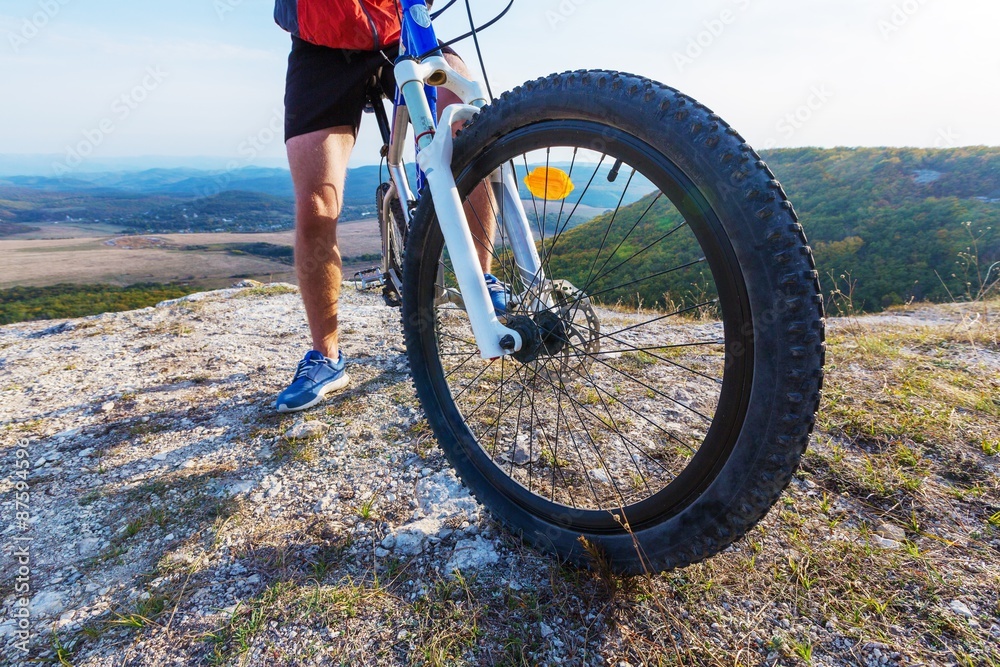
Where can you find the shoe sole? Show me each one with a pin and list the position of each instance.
(344, 380)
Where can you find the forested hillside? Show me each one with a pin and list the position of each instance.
(884, 224)
(892, 217)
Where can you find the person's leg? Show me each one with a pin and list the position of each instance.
(318, 162)
(324, 99)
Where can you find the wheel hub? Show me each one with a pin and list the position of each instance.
(551, 332)
(531, 342)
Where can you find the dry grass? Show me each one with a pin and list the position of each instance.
(80, 255)
(47, 262)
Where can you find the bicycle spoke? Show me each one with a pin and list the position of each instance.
(645, 417)
(594, 423)
(565, 225)
(555, 450)
(637, 253)
(576, 407)
(663, 317)
(617, 430)
(500, 412)
(475, 379)
(482, 403)
(517, 432)
(461, 340)
(649, 277)
(610, 335)
(656, 391)
(576, 448)
(545, 202)
(459, 367)
(648, 349)
(562, 204)
(607, 231)
(587, 285)
(540, 431)
(545, 257)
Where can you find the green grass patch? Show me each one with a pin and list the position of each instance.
(268, 290)
(23, 304)
(287, 602)
(8, 229)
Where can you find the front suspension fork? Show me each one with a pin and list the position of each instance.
(434, 158)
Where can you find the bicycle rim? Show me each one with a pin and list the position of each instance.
(638, 395)
(395, 226)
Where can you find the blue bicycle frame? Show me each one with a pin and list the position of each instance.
(417, 37)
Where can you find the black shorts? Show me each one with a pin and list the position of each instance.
(328, 87)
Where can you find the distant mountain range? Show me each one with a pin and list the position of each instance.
(154, 199)
(26, 164)
(890, 218)
(182, 182)
(179, 181)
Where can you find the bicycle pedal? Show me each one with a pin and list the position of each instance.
(369, 278)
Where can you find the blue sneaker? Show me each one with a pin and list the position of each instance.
(315, 377)
(498, 293)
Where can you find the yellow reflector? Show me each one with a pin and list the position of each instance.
(549, 183)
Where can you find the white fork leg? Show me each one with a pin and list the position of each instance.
(434, 159)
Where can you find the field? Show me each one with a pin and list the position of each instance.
(66, 230)
(89, 254)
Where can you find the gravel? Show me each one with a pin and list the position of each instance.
(140, 426)
(174, 515)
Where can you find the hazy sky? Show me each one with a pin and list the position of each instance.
(205, 77)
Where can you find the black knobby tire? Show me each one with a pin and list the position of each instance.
(391, 258)
(768, 295)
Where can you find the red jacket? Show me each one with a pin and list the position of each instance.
(364, 25)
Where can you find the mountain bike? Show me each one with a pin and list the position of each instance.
(649, 390)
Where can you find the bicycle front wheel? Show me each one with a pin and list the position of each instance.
(677, 317)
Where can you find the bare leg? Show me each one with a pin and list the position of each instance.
(478, 207)
(318, 162)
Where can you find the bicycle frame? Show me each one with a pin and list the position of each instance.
(414, 105)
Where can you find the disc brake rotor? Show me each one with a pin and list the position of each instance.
(581, 328)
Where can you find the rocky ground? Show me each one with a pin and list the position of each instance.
(171, 517)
